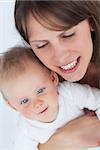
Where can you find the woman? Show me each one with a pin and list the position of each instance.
(65, 37)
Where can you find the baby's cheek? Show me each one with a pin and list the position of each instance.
(98, 143)
(26, 113)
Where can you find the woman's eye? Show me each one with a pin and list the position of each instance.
(40, 91)
(24, 101)
(67, 36)
(41, 45)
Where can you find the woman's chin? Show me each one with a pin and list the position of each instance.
(74, 77)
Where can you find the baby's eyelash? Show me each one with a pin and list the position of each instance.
(41, 90)
(24, 101)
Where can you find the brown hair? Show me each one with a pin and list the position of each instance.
(68, 14)
(16, 61)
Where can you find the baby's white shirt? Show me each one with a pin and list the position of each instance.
(73, 98)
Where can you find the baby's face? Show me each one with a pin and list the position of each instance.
(34, 94)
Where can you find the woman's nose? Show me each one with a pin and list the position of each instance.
(59, 51)
(60, 54)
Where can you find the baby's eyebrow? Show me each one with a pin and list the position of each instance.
(4, 97)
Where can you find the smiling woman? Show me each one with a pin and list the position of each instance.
(65, 36)
(62, 42)
(70, 56)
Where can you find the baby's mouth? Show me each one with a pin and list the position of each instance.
(44, 110)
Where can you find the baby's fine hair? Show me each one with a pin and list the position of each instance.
(16, 61)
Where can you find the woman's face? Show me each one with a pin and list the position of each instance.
(66, 52)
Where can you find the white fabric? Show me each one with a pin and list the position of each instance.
(72, 99)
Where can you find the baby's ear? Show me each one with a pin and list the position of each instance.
(54, 78)
(8, 103)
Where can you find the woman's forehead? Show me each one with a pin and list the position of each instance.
(40, 28)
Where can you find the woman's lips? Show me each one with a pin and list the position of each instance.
(71, 67)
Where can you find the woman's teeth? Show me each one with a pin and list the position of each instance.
(69, 66)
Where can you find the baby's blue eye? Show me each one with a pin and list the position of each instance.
(24, 101)
(40, 91)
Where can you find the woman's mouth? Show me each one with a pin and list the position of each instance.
(70, 67)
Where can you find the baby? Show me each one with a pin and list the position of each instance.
(44, 104)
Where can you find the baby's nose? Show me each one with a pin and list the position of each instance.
(38, 104)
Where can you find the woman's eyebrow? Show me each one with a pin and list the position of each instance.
(72, 29)
(58, 35)
(37, 41)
